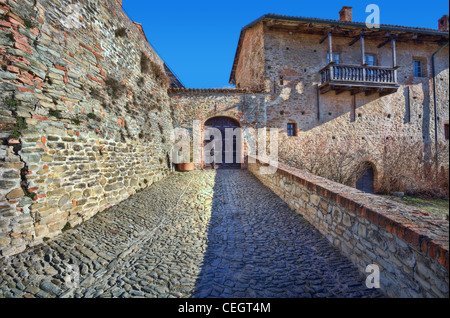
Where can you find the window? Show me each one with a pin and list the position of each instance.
(336, 58)
(292, 130)
(419, 68)
(446, 131)
(370, 59)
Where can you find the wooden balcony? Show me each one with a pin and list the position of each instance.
(358, 79)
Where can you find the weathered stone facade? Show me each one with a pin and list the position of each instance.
(279, 68)
(188, 105)
(330, 115)
(83, 96)
(291, 57)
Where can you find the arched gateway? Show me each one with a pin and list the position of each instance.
(367, 181)
(222, 123)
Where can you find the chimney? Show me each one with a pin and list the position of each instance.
(346, 14)
(443, 23)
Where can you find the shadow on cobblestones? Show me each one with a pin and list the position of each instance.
(203, 234)
(257, 247)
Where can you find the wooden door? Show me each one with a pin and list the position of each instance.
(367, 182)
(222, 123)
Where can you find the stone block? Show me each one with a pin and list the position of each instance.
(7, 184)
(314, 199)
(362, 230)
(4, 241)
(11, 174)
(15, 194)
(347, 220)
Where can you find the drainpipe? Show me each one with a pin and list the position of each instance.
(435, 107)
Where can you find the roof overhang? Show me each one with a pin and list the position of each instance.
(275, 22)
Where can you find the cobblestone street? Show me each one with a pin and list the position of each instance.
(200, 234)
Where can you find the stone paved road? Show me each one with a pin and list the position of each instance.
(200, 234)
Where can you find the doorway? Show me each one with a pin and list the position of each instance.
(367, 182)
(222, 123)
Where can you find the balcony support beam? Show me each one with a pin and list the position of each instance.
(330, 46)
(359, 90)
(373, 91)
(329, 36)
(343, 90)
(394, 58)
(363, 50)
(326, 36)
(384, 43)
(354, 40)
(362, 34)
(361, 38)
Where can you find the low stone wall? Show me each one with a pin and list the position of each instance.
(409, 246)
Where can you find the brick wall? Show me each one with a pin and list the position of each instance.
(90, 124)
(410, 247)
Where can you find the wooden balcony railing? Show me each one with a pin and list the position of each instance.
(348, 74)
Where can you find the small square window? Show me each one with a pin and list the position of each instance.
(292, 130)
(419, 68)
(446, 131)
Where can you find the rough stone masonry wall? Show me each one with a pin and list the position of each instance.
(196, 104)
(405, 118)
(410, 247)
(202, 104)
(252, 74)
(299, 58)
(84, 115)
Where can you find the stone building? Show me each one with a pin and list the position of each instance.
(330, 85)
(87, 111)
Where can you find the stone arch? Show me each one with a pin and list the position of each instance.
(367, 181)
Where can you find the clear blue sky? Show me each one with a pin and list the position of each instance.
(198, 39)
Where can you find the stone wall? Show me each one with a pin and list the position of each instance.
(84, 117)
(410, 247)
(189, 105)
(291, 66)
(299, 58)
(252, 70)
(197, 104)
